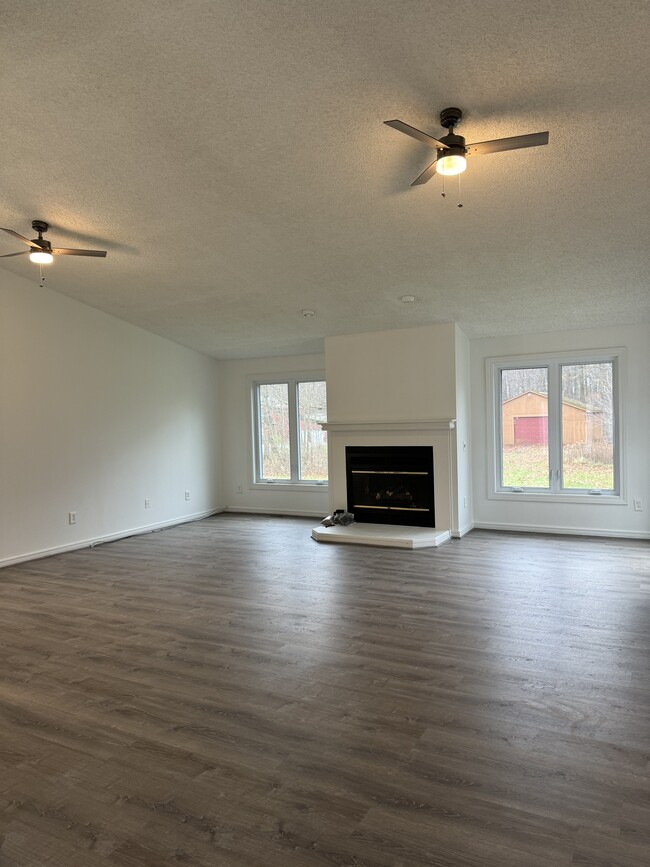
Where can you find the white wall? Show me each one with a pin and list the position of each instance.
(397, 375)
(236, 383)
(595, 517)
(95, 416)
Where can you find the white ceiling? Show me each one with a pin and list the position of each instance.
(231, 157)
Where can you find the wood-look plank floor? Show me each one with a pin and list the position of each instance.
(230, 692)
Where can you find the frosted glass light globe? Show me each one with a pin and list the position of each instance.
(41, 257)
(451, 164)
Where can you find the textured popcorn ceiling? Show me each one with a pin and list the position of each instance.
(231, 157)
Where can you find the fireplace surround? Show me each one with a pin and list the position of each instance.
(439, 435)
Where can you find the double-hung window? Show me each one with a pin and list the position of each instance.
(555, 425)
(290, 447)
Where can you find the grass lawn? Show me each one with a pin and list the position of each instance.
(527, 467)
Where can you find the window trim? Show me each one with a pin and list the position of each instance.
(554, 362)
(292, 380)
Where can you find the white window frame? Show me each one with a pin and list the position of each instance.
(554, 361)
(292, 381)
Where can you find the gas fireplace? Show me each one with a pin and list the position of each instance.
(390, 484)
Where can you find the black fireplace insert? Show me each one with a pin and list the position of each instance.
(391, 485)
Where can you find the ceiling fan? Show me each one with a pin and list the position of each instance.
(41, 251)
(452, 152)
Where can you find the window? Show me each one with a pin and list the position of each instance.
(290, 446)
(555, 426)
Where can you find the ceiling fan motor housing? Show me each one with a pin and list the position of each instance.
(41, 226)
(455, 145)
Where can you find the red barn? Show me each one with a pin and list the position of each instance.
(525, 421)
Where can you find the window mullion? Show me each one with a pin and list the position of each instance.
(554, 427)
(617, 421)
(257, 438)
(294, 424)
(498, 424)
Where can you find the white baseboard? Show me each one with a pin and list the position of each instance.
(287, 513)
(562, 531)
(463, 531)
(111, 537)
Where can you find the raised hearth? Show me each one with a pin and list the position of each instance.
(382, 535)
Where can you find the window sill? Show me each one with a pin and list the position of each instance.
(541, 497)
(306, 487)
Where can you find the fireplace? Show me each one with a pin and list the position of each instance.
(390, 485)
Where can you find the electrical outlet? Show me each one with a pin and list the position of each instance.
(147, 504)
(240, 490)
(72, 517)
(638, 505)
(187, 495)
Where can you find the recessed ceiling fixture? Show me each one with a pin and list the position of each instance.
(308, 313)
(452, 152)
(407, 299)
(41, 251)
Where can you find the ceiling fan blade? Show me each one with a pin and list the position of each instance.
(508, 144)
(7, 255)
(29, 243)
(426, 175)
(62, 251)
(416, 133)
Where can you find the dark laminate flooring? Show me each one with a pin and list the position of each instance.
(230, 692)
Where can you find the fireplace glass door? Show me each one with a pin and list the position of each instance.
(391, 485)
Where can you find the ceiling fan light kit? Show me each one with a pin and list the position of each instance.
(452, 163)
(41, 257)
(44, 255)
(451, 150)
